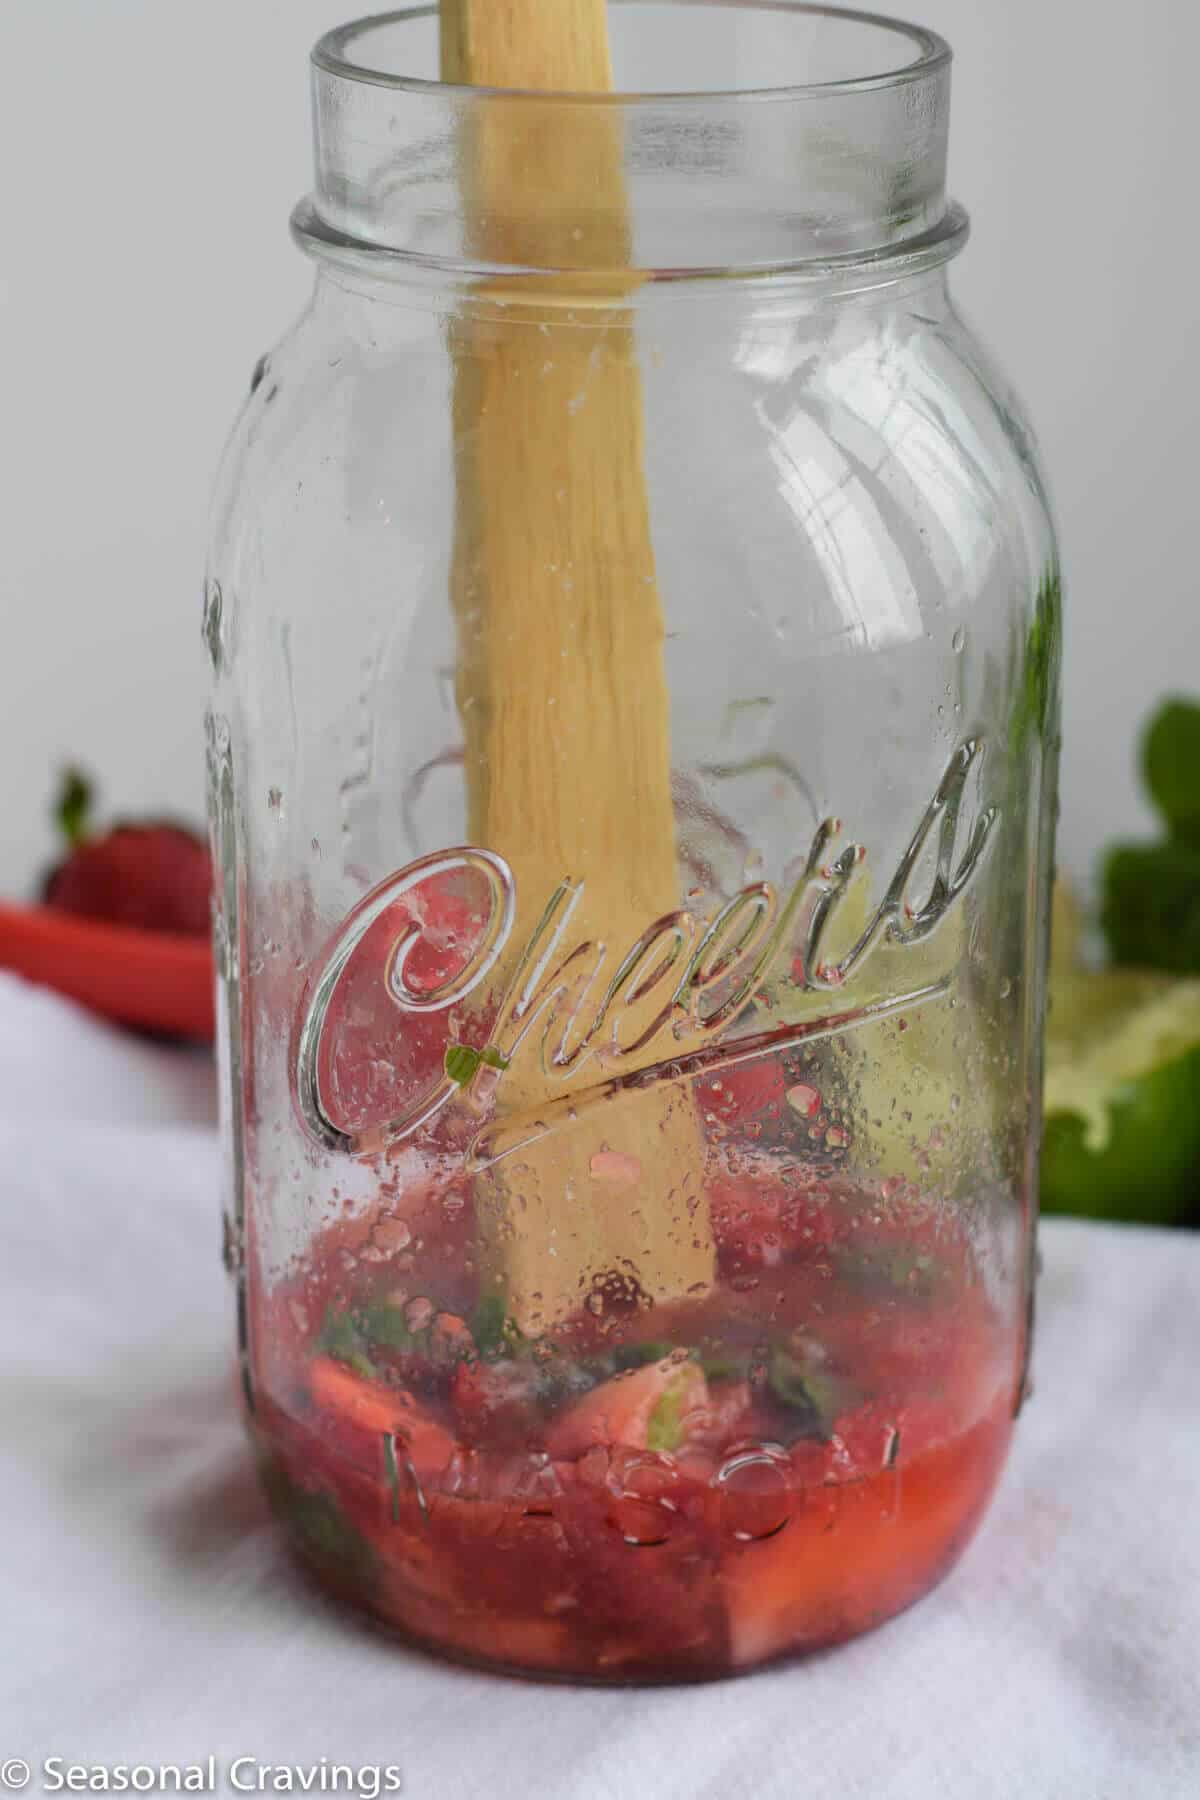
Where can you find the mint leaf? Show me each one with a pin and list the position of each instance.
(461, 1062)
(487, 1323)
(1171, 768)
(637, 1356)
(495, 1333)
(341, 1338)
(320, 1526)
(1150, 912)
(916, 1275)
(385, 1327)
(1036, 703)
(722, 1368)
(814, 1396)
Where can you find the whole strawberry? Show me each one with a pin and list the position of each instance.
(151, 876)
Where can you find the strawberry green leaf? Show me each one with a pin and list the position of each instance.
(73, 807)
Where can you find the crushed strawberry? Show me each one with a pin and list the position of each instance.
(365, 1412)
(650, 1408)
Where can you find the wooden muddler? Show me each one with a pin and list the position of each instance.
(562, 688)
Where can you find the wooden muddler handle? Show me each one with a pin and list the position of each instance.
(562, 687)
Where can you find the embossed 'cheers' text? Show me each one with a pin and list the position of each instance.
(685, 981)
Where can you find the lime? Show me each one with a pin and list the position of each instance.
(1122, 1136)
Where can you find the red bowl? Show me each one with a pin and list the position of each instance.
(152, 980)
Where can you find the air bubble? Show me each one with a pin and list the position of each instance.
(756, 1495)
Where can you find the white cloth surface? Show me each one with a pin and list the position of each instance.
(59, 1063)
(150, 1615)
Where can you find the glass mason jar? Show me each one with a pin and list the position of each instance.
(634, 616)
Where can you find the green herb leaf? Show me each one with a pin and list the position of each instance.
(637, 1356)
(815, 1396)
(723, 1368)
(1151, 907)
(73, 807)
(1035, 712)
(462, 1063)
(342, 1339)
(909, 1272)
(320, 1526)
(494, 1332)
(1171, 768)
(487, 1323)
(385, 1327)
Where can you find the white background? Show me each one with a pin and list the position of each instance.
(151, 151)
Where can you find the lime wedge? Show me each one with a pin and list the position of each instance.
(1122, 1138)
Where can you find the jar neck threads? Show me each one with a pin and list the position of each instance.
(827, 148)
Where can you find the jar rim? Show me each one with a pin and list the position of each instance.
(333, 55)
(715, 182)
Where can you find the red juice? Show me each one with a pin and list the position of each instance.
(660, 1491)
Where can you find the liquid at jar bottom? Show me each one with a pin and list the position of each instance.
(673, 1492)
